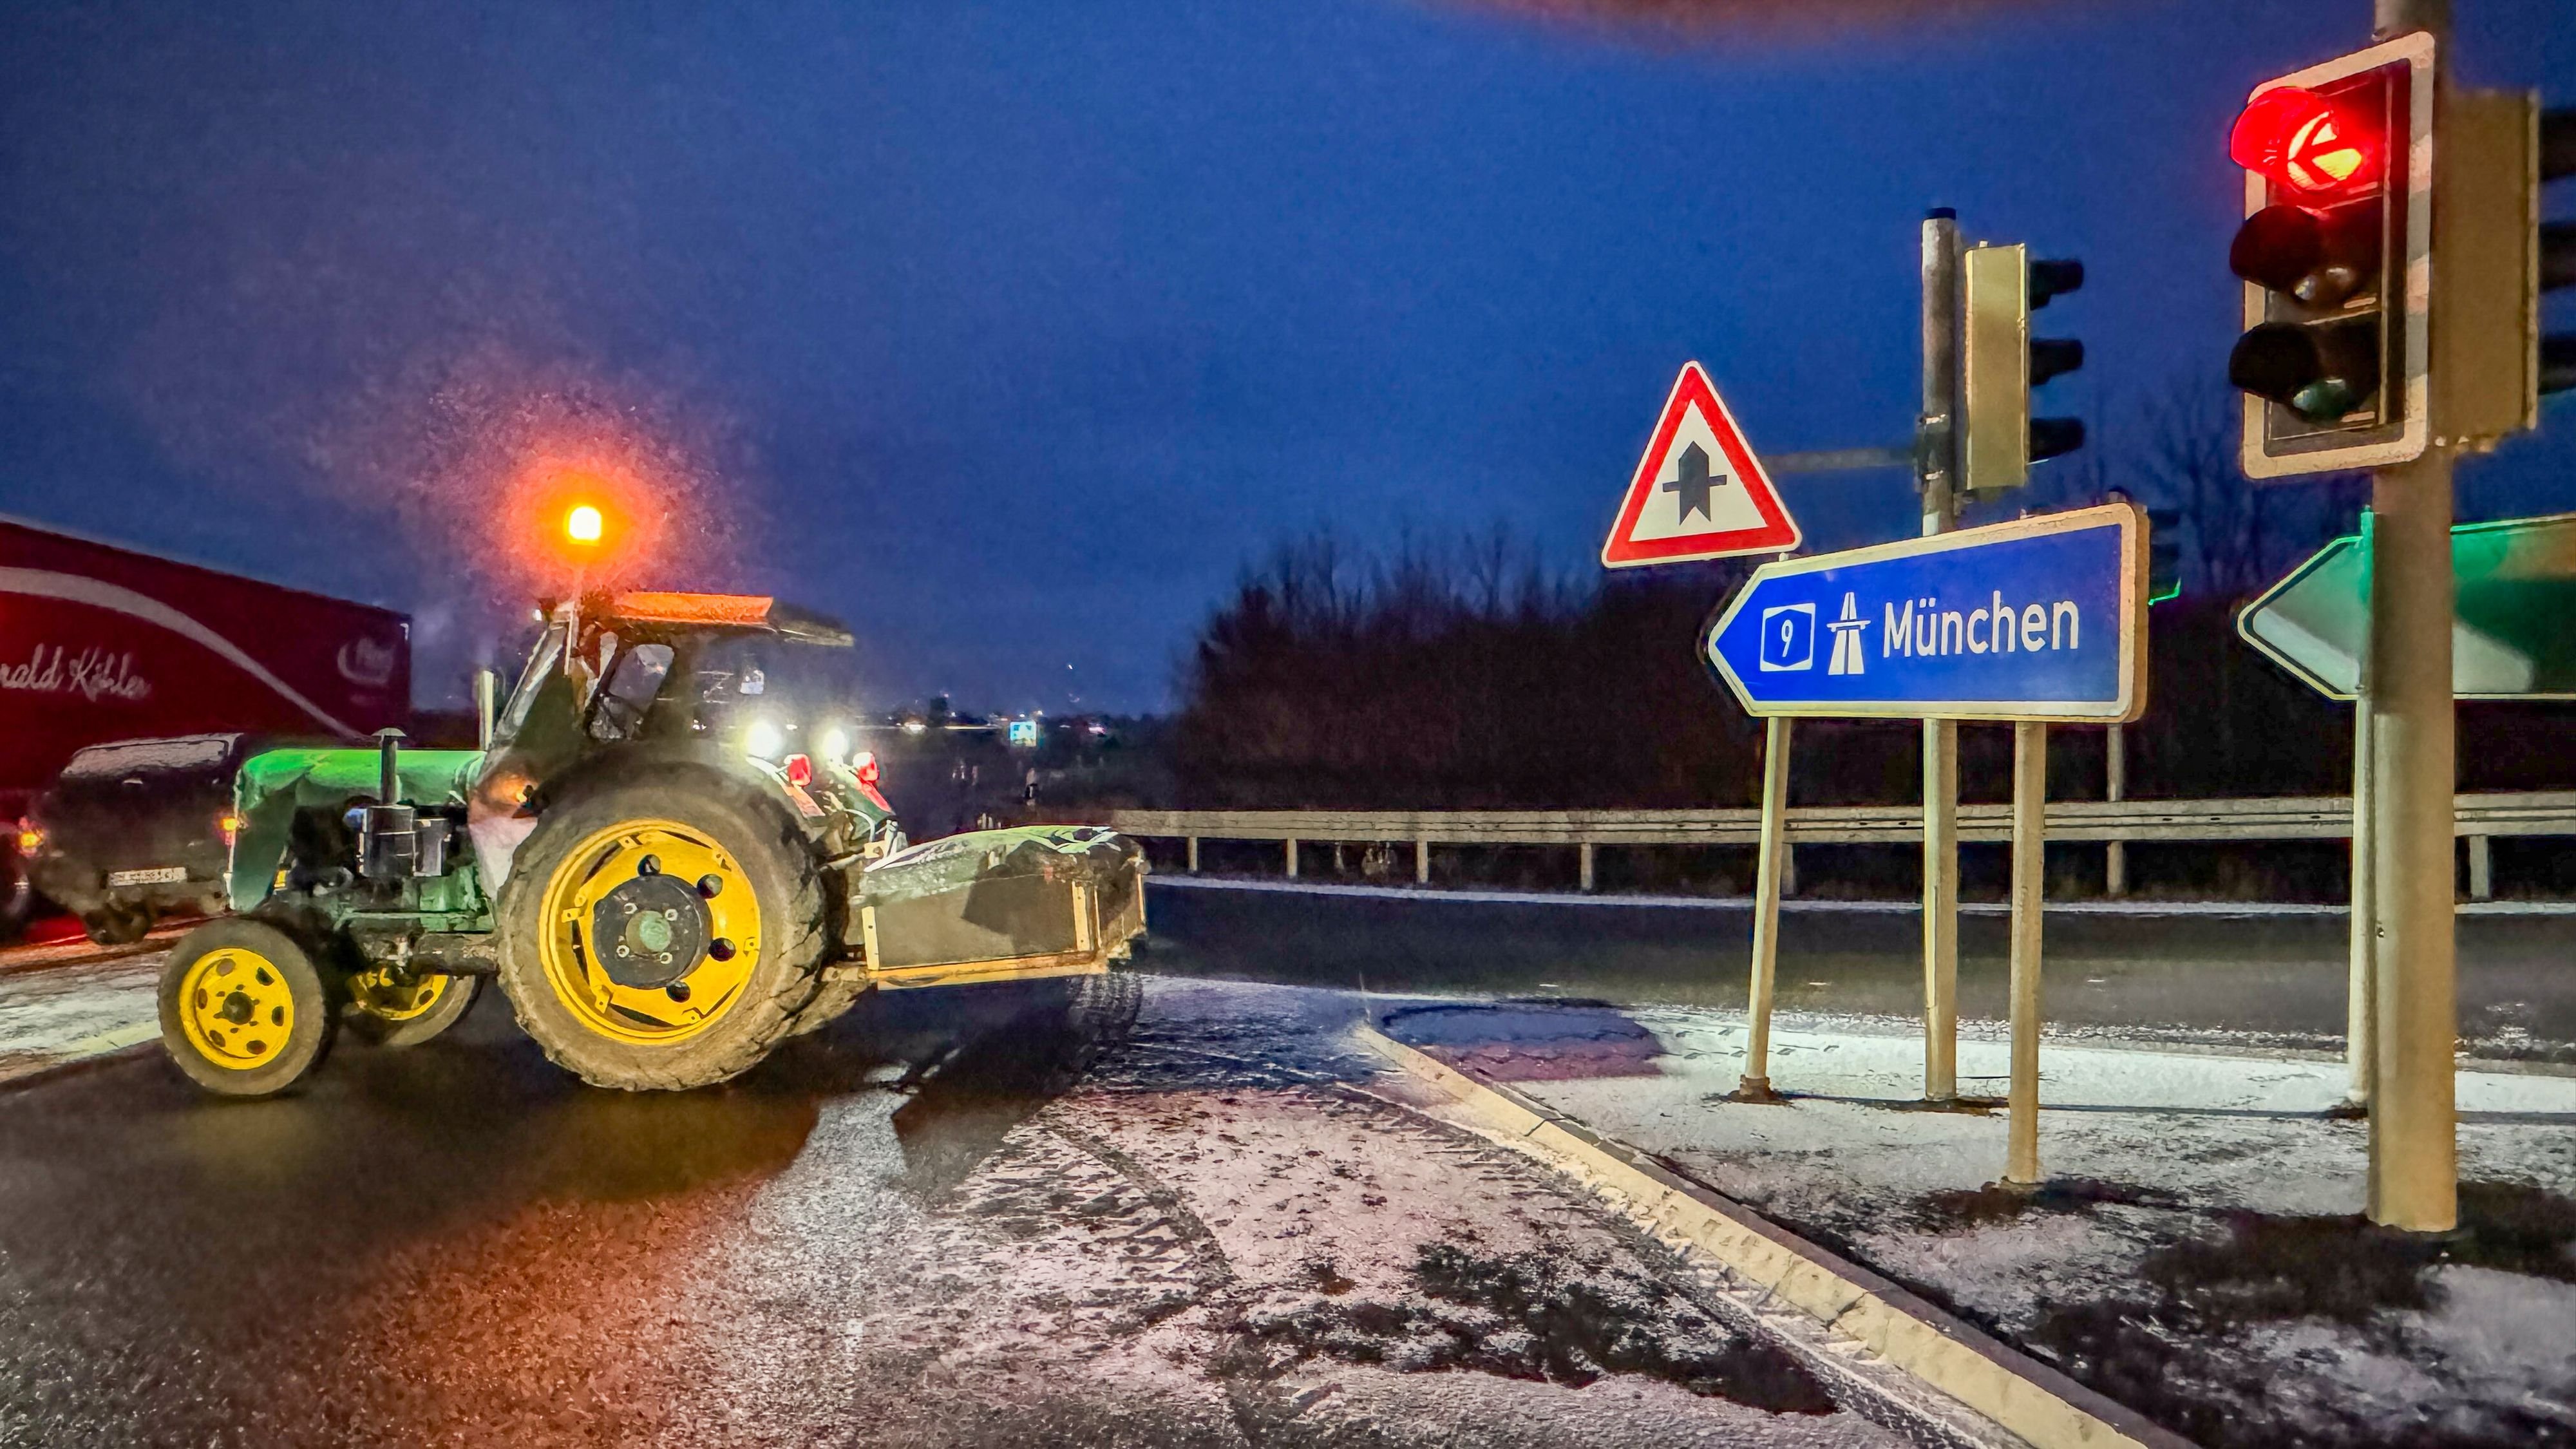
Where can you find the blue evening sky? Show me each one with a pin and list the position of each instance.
(1009, 331)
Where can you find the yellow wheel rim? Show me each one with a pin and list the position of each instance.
(705, 989)
(383, 995)
(236, 1008)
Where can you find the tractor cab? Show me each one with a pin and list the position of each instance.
(716, 680)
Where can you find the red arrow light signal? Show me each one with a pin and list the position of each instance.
(2306, 144)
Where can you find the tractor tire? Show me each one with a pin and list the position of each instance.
(117, 923)
(389, 1014)
(245, 1010)
(829, 1005)
(719, 1004)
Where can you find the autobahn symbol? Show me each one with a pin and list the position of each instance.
(1699, 492)
(2038, 619)
(1849, 652)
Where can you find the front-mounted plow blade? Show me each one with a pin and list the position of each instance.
(1049, 900)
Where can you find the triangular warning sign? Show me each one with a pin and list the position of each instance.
(1699, 491)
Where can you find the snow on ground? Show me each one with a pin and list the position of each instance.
(2197, 1252)
(62, 1011)
(1216, 1234)
(1214, 1238)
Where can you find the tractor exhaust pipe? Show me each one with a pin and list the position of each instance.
(388, 838)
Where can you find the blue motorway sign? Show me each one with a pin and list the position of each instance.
(2042, 618)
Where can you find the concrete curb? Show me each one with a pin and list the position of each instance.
(2018, 1394)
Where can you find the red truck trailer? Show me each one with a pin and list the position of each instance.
(102, 643)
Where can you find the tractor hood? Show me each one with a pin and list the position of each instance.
(273, 785)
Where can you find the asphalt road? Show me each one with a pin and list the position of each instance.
(935, 1223)
(2268, 979)
(947, 1221)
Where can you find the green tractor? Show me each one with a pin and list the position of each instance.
(662, 891)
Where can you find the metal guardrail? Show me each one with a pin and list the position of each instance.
(2289, 817)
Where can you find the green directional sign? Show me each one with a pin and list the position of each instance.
(2513, 617)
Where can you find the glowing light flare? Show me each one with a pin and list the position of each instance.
(763, 740)
(580, 522)
(2306, 143)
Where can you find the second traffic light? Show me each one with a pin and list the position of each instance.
(2001, 362)
(2164, 554)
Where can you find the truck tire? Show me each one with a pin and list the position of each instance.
(117, 923)
(17, 897)
(389, 1013)
(245, 1011)
(705, 904)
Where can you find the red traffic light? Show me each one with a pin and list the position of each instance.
(2306, 144)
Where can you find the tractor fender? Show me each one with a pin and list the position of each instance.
(497, 837)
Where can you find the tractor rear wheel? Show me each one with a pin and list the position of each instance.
(829, 1005)
(662, 934)
(244, 1009)
(393, 1011)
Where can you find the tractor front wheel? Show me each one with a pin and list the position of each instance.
(662, 935)
(244, 1009)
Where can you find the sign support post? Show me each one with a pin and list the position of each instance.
(2115, 788)
(1937, 475)
(2029, 885)
(1756, 1086)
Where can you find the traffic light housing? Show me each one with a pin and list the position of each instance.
(2491, 362)
(2000, 362)
(2336, 256)
(2164, 554)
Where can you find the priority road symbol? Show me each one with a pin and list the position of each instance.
(2039, 619)
(1699, 491)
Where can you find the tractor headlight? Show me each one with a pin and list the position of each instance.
(835, 745)
(763, 740)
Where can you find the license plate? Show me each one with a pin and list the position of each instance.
(157, 875)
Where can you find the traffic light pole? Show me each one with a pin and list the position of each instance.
(1937, 474)
(2414, 1149)
(2361, 1015)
